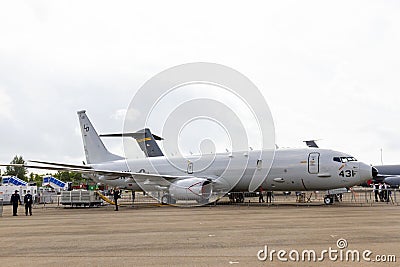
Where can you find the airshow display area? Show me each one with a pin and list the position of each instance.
(240, 227)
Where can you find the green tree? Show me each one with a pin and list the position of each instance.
(73, 177)
(17, 171)
(35, 178)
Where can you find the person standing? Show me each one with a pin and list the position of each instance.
(380, 192)
(385, 192)
(28, 200)
(116, 195)
(376, 191)
(133, 197)
(269, 196)
(15, 199)
(261, 195)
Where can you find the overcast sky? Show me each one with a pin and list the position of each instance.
(328, 69)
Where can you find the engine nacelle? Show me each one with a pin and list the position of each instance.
(191, 189)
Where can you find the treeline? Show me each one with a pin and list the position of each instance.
(22, 173)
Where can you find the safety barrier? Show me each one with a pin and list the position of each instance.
(359, 196)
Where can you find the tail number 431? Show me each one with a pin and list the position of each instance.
(348, 173)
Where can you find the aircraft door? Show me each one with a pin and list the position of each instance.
(313, 163)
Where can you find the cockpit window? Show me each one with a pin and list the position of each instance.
(344, 159)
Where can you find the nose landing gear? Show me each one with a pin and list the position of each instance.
(328, 200)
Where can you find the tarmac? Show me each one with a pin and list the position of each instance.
(224, 235)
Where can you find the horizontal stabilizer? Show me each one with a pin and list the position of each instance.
(133, 135)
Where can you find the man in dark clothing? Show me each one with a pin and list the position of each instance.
(269, 196)
(117, 195)
(376, 191)
(28, 203)
(261, 195)
(15, 199)
(133, 197)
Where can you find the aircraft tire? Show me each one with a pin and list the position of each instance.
(167, 200)
(328, 200)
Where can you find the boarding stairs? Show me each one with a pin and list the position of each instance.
(12, 180)
(54, 183)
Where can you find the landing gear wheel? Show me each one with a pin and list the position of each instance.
(167, 200)
(328, 200)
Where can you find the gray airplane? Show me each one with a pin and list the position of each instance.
(212, 176)
(389, 174)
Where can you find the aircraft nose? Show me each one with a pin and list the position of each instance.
(367, 172)
(374, 172)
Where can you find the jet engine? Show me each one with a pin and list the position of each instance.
(198, 189)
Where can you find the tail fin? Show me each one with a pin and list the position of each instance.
(145, 139)
(95, 150)
(147, 143)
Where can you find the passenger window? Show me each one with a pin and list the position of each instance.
(336, 159)
(344, 159)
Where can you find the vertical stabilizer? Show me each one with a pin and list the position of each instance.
(145, 139)
(95, 151)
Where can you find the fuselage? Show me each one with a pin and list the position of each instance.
(288, 170)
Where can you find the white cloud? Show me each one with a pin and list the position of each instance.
(328, 70)
(6, 104)
(119, 114)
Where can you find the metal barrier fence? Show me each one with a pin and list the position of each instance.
(359, 196)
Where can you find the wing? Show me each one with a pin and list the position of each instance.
(145, 178)
(61, 164)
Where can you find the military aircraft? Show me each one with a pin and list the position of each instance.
(389, 174)
(207, 179)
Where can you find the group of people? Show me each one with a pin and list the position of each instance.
(28, 201)
(116, 193)
(382, 192)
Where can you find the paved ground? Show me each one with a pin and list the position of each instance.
(204, 236)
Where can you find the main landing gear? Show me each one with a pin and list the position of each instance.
(167, 200)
